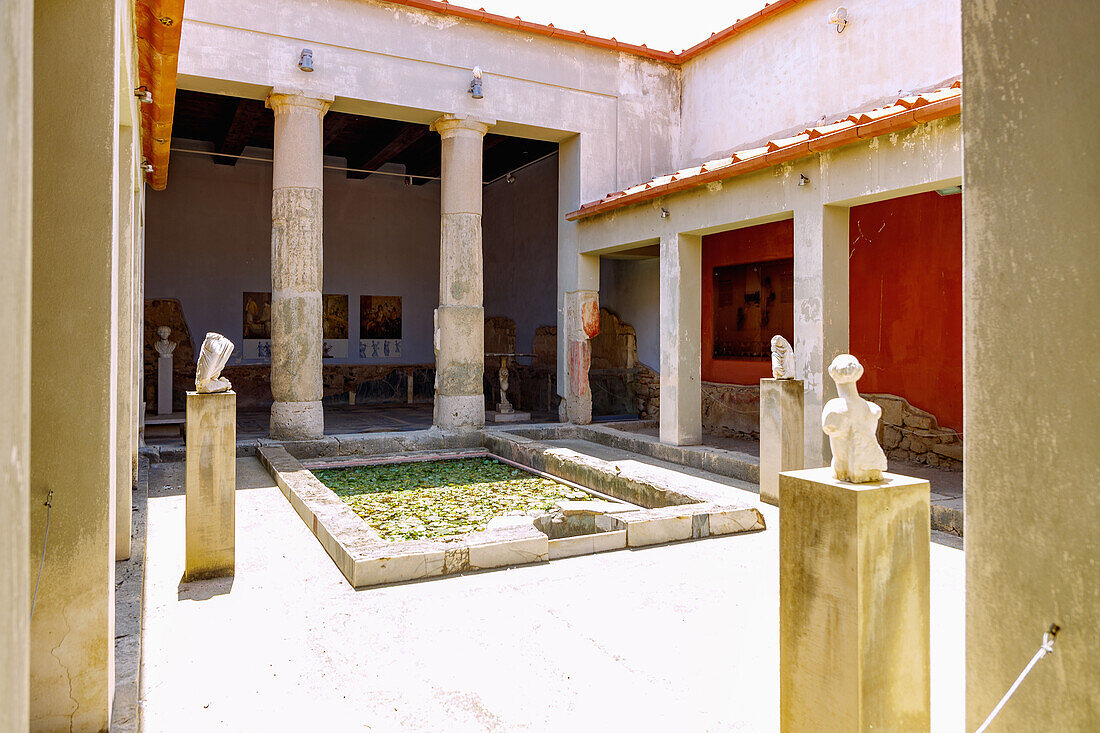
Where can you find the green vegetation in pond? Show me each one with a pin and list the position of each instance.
(415, 501)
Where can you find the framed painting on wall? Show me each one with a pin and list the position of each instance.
(334, 323)
(379, 326)
(256, 326)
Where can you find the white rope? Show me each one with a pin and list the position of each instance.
(45, 538)
(1047, 647)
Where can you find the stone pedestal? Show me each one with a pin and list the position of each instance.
(211, 482)
(164, 385)
(297, 224)
(853, 600)
(460, 318)
(781, 433)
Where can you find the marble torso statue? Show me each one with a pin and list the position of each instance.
(212, 357)
(163, 346)
(782, 358)
(851, 423)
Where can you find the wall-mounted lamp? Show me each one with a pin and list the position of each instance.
(802, 179)
(146, 165)
(305, 60)
(143, 94)
(664, 213)
(839, 18)
(509, 178)
(408, 180)
(475, 84)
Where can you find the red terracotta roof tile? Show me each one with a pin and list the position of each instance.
(905, 113)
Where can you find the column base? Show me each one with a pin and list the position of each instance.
(297, 420)
(456, 412)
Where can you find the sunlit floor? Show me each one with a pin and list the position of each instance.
(682, 637)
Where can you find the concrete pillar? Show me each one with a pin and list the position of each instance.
(782, 433)
(1031, 348)
(460, 318)
(681, 321)
(296, 259)
(210, 511)
(16, 124)
(124, 378)
(820, 311)
(853, 603)
(74, 361)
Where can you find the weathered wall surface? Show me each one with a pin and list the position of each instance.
(794, 68)
(1031, 390)
(905, 300)
(209, 240)
(631, 289)
(15, 301)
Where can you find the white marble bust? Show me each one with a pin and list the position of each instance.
(212, 357)
(782, 358)
(851, 422)
(163, 346)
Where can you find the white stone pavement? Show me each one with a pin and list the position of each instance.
(680, 637)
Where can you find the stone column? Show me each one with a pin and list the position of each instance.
(16, 127)
(853, 603)
(782, 435)
(74, 353)
(128, 145)
(460, 318)
(681, 320)
(820, 311)
(296, 260)
(582, 322)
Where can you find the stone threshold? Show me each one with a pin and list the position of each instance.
(365, 559)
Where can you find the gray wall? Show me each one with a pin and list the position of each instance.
(209, 240)
(631, 288)
(1031, 346)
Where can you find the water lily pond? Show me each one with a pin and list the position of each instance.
(415, 501)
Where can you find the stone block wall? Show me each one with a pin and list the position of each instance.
(908, 433)
(647, 392)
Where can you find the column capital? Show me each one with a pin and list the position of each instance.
(449, 125)
(281, 101)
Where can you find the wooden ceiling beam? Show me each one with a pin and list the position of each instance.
(246, 114)
(410, 135)
(158, 40)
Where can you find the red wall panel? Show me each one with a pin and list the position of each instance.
(905, 300)
(761, 243)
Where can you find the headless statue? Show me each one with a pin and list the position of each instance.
(782, 358)
(213, 356)
(851, 423)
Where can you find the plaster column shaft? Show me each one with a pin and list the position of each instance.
(460, 318)
(124, 377)
(582, 323)
(820, 312)
(681, 320)
(296, 263)
(74, 361)
(16, 125)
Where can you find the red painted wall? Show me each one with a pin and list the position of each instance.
(905, 300)
(774, 241)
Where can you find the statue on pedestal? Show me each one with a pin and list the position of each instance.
(782, 358)
(163, 346)
(851, 423)
(212, 357)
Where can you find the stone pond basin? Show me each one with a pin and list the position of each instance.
(638, 502)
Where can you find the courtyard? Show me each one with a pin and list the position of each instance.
(672, 637)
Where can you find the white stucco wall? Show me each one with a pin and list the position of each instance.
(792, 69)
(209, 240)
